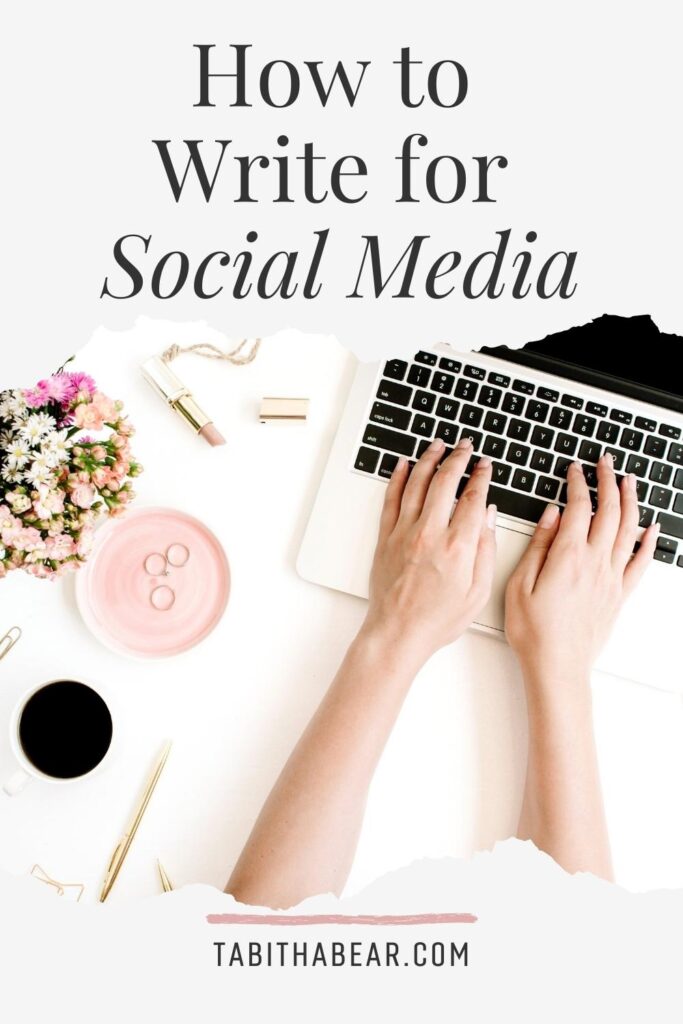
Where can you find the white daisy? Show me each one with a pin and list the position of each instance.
(17, 454)
(36, 425)
(56, 444)
(39, 473)
(12, 476)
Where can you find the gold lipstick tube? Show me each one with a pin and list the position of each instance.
(164, 381)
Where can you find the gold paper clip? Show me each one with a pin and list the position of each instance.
(8, 641)
(61, 887)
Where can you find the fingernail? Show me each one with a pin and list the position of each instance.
(630, 480)
(400, 464)
(436, 445)
(484, 462)
(656, 527)
(550, 514)
(577, 466)
(608, 459)
(464, 442)
(491, 513)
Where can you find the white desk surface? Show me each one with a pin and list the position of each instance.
(450, 781)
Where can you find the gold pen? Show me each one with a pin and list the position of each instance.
(121, 851)
(165, 880)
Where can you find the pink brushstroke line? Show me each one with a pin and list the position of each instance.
(296, 919)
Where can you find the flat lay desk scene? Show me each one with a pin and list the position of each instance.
(450, 781)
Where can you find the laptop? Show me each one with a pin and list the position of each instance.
(533, 411)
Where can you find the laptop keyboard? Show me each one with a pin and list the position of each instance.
(531, 432)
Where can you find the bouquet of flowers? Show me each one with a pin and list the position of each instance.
(65, 460)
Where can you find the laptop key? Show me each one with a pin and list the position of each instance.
(590, 475)
(542, 461)
(442, 382)
(523, 386)
(390, 416)
(513, 403)
(422, 448)
(422, 425)
(500, 473)
(608, 432)
(637, 465)
(678, 479)
(596, 409)
(387, 465)
(423, 401)
(390, 440)
(475, 372)
(617, 457)
(536, 411)
(490, 396)
(572, 401)
(547, 394)
(668, 431)
(466, 389)
(655, 446)
(678, 504)
(641, 489)
(620, 416)
(450, 365)
(561, 466)
(663, 556)
(471, 415)
(499, 379)
(495, 447)
(518, 430)
(518, 454)
(547, 488)
(396, 369)
(399, 394)
(561, 418)
(642, 423)
(566, 444)
(419, 376)
(428, 358)
(671, 525)
(367, 460)
(542, 437)
(632, 439)
(675, 454)
(516, 503)
(589, 451)
(523, 479)
(667, 544)
(660, 497)
(448, 432)
(495, 423)
(660, 473)
(475, 437)
(447, 408)
(645, 516)
(584, 425)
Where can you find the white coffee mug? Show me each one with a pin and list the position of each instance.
(27, 770)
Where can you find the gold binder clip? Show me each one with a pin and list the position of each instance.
(8, 641)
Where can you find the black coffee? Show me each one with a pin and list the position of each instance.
(65, 729)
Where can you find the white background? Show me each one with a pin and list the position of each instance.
(585, 103)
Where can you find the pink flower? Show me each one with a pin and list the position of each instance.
(98, 453)
(60, 388)
(83, 495)
(40, 570)
(82, 384)
(85, 542)
(89, 416)
(105, 406)
(100, 477)
(60, 547)
(37, 396)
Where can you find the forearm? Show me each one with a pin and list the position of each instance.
(562, 810)
(305, 837)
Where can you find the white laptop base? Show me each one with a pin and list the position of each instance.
(339, 542)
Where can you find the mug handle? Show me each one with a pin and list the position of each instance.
(16, 782)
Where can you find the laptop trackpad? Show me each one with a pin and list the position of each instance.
(511, 545)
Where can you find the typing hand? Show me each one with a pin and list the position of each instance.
(564, 596)
(432, 572)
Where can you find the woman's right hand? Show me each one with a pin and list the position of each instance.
(564, 596)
